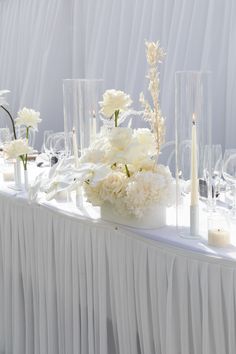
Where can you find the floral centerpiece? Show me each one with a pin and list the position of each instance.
(123, 173)
(18, 149)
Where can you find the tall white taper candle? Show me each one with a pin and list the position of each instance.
(194, 211)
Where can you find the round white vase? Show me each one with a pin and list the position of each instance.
(153, 218)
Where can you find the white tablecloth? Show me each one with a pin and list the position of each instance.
(73, 285)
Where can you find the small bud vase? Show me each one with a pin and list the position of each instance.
(26, 180)
(17, 174)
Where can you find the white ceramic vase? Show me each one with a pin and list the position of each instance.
(153, 218)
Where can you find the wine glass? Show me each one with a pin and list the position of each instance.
(45, 148)
(229, 174)
(59, 146)
(5, 136)
(212, 171)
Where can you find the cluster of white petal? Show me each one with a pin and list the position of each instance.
(124, 171)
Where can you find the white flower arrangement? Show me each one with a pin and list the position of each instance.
(19, 148)
(123, 169)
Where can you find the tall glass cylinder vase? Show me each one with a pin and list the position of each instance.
(81, 97)
(193, 133)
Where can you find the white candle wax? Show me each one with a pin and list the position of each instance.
(194, 167)
(75, 147)
(218, 237)
(8, 175)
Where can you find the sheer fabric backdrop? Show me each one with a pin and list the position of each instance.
(43, 42)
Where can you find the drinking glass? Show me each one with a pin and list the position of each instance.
(212, 171)
(229, 174)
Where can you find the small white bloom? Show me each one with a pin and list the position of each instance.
(29, 118)
(3, 101)
(16, 148)
(114, 100)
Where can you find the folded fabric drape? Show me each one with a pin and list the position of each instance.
(73, 286)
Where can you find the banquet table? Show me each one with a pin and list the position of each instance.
(71, 283)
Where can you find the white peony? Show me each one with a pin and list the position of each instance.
(113, 186)
(146, 189)
(3, 101)
(114, 100)
(93, 194)
(29, 118)
(120, 138)
(17, 148)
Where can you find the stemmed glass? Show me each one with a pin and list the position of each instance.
(212, 171)
(229, 174)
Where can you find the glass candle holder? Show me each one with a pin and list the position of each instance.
(81, 97)
(192, 134)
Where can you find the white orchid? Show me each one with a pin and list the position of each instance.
(28, 118)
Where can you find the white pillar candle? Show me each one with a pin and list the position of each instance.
(218, 237)
(75, 147)
(194, 167)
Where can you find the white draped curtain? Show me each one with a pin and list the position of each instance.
(43, 42)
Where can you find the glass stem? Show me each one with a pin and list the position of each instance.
(213, 194)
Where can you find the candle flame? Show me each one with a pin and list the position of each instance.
(194, 119)
(73, 130)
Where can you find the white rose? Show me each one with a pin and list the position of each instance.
(120, 137)
(113, 186)
(29, 118)
(114, 100)
(17, 148)
(3, 101)
(145, 137)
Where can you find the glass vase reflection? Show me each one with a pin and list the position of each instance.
(81, 110)
(192, 134)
